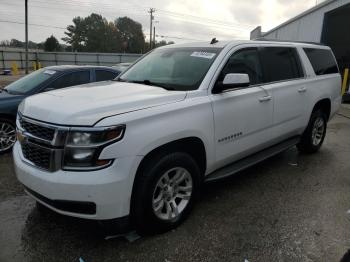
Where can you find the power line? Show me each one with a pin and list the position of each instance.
(169, 14)
(49, 26)
(22, 23)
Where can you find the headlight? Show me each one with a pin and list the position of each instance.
(84, 145)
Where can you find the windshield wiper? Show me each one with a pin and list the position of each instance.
(149, 83)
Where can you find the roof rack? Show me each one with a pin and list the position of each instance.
(287, 41)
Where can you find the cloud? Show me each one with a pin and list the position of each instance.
(188, 20)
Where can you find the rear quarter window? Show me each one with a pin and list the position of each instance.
(281, 64)
(322, 61)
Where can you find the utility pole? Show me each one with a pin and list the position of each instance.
(151, 11)
(26, 33)
(154, 36)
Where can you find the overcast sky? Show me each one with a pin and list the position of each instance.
(176, 20)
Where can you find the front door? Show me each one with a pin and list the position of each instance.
(242, 116)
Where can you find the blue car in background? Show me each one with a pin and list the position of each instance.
(43, 80)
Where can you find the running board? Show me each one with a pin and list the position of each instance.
(246, 162)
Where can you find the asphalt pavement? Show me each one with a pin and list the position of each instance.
(291, 207)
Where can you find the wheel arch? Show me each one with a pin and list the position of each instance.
(325, 105)
(194, 146)
(8, 116)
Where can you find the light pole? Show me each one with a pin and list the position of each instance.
(26, 33)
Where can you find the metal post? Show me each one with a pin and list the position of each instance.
(154, 36)
(3, 60)
(26, 33)
(21, 56)
(151, 11)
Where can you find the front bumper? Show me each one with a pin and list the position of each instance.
(109, 189)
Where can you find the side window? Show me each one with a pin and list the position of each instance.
(322, 61)
(103, 75)
(281, 63)
(71, 79)
(244, 61)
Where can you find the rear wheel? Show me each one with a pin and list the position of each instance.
(313, 137)
(7, 135)
(164, 193)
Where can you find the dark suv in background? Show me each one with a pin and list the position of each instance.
(43, 80)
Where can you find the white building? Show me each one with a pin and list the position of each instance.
(327, 23)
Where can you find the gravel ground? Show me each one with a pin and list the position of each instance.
(291, 207)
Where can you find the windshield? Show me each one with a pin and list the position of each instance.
(179, 69)
(29, 82)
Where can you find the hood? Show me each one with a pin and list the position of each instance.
(86, 104)
(9, 100)
(4, 96)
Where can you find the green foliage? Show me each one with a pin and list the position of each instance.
(130, 35)
(51, 44)
(163, 42)
(95, 34)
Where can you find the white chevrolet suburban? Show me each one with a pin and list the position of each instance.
(138, 148)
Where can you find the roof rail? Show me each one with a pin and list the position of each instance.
(288, 41)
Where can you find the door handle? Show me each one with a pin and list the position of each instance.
(265, 98)
(302, 90)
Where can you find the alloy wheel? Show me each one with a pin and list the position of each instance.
(7, 136)
(318, 131)
(172, 193)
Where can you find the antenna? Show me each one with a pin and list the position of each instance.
(213, 41)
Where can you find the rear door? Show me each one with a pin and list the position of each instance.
(284, 80)
(104, 75)
(242, 116)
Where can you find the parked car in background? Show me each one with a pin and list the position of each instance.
(46, 79)
(138, 148)
(122, 66)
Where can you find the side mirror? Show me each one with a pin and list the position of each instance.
(232, 81)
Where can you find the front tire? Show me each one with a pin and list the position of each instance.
(313, 137)
(7, 135)
(164, 192)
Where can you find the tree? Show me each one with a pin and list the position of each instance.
(51, 44)
(131, 35)
(95, 34)
(76, 34)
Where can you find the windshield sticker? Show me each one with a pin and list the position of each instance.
(203, 55)
(50, 72)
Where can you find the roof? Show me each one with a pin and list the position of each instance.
(222, 44)
(311, 10)
(77, 67)
(219, 44)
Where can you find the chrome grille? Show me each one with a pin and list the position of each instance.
(42, 144)
(38, 131)
(37, 155)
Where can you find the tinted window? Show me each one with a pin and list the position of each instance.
(281, 63)
(71, 79)
(322, 61)
(102, 75)
(244, 61)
